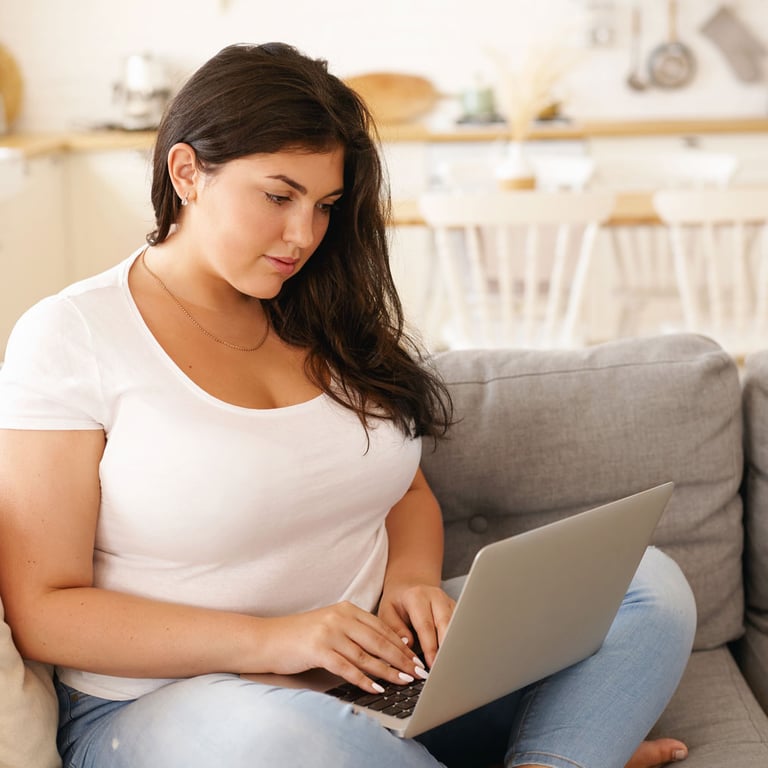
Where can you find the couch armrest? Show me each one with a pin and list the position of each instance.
(29, 710)
(752, 651)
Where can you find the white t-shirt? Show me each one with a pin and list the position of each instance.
(266, 512)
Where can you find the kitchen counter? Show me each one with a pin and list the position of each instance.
(36, 144)
(560, 129)
(631, 208)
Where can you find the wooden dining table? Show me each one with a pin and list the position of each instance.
(633, 207)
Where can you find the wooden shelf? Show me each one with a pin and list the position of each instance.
(33, 144)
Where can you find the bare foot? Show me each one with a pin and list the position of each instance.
(652, 754)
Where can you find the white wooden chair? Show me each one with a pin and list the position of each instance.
(645, 287)
(511, 267)
(719, 242)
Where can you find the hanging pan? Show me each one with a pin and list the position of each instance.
(671, 64)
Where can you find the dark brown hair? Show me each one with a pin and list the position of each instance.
(342, 306)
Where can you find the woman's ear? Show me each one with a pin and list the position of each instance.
(182, 168)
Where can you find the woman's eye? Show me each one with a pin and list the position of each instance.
(328, 207)
(276, 199)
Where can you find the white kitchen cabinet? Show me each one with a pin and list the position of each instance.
(406, 165)
(413, 271)
(750, 149)
(110, 209)
(407, 169)
(615, 156)
(73, 215)
(33, 257)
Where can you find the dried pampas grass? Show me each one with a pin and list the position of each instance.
(530, 89)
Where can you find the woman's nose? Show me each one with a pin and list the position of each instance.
(299, 229)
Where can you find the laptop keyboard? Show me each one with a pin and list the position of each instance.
(397, 700)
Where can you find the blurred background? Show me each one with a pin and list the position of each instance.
(72, 53)
(469, 97)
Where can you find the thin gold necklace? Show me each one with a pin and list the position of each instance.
(194, 321)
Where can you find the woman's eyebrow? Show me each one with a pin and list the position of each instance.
(300, 188)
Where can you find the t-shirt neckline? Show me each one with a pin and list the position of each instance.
(169, 362)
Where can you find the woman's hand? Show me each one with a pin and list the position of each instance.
(345, 640)
(426, 609)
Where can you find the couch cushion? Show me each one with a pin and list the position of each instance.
(544, 434)
(714, 712)
(28, 709)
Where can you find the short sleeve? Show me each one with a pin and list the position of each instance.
(49, 378)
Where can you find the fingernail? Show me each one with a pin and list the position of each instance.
(422, 673)
(378, 688)
(679, 754)
(405, 640)
(418, 662)
(405, 676)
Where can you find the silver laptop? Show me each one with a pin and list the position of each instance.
(532, 605)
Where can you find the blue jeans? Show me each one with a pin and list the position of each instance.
(591, 715)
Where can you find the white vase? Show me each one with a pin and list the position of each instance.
(515, 171)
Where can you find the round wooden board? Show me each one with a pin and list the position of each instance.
(11, 85)
(394, 97)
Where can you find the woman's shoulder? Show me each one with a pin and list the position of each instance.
(102, 285)
(51, 375)
(102, 288)
(64, 317)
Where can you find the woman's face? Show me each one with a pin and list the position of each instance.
(258, 219)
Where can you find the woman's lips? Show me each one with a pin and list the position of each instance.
(283, 266)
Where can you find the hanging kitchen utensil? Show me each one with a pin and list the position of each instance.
(742, 49)
(634, 79)
(671, 64)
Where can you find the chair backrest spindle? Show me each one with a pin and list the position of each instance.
(520, 276)
(718, 244)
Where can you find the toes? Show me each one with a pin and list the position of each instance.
(652, 754)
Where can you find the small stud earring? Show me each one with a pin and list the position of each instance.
(185, 199)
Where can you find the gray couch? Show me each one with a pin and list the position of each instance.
(546, 434)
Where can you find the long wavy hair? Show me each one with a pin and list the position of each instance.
(342, 307)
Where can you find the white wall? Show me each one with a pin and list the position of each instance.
(70, 50)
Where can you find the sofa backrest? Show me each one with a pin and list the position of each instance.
(545, 434)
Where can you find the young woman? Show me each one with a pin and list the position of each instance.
(211, 467)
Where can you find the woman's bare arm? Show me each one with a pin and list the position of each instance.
(49, 503)
(412, 596)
